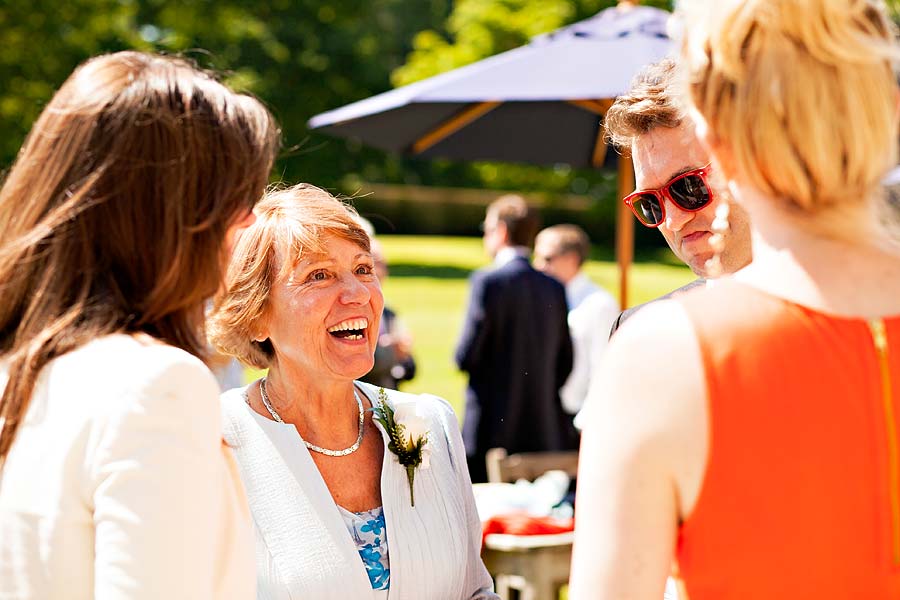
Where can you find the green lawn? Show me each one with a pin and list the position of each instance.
(427, 288)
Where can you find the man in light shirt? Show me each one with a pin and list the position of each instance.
(561, 251)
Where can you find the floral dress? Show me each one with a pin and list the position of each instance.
(369, 533)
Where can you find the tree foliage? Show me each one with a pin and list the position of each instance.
(477, 29)
(481, 28)
(40, 42)
(894, 8)
(300, 56)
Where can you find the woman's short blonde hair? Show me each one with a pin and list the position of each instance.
(800, 94)
(290, 224)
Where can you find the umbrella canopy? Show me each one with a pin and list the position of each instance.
(537, 104)
(541, 103)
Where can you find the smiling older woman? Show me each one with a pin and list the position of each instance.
(333, 510)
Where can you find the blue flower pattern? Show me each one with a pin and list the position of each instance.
(369, 533)
(374, 525)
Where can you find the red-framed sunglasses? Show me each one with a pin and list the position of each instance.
(690, 191)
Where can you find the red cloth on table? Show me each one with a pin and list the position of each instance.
(522, 523)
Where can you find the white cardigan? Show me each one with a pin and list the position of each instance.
(303, 547)
(118, 485)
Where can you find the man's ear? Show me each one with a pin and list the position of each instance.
(503, 232)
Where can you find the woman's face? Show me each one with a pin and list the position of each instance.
(323, 318)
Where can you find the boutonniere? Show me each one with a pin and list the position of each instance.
(408, 433)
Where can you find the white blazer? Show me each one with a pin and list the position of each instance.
(118, 485)
(303, 548)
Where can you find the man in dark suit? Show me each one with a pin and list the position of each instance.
(515, 345)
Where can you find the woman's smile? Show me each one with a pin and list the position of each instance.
(350, 329)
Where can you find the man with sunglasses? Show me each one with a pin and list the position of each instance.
(677, 188)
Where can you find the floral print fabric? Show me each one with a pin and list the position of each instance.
(369, 533)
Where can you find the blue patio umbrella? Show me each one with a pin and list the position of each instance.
(541, 103)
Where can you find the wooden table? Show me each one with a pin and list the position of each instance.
(536, 565)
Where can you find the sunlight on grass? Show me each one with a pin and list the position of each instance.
(428, 290)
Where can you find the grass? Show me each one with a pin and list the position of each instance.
(428, 289)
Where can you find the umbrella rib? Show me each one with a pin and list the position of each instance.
(598, 107)
(452, 125)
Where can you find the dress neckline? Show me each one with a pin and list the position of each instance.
(360, 514)
(889, 318)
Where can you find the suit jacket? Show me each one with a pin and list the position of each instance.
(626, 314)
(516, 348)
(303, 548)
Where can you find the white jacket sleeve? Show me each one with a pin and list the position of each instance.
(156, 474)
(479, 585)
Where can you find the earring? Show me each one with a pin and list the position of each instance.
(733, 188)
(719, 227)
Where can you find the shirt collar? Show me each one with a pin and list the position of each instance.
(508, 254)
(579, 288)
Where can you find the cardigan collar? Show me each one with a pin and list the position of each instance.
(305, 535)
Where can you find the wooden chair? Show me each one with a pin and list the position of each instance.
(536, 566)
(502, 467)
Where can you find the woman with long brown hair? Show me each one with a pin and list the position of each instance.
(116, 221)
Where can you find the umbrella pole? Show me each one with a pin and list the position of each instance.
(624, 227)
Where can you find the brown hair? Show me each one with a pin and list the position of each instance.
(521, 220)
(115, 213)
(290, 223)
(568, 238)
(651, 102)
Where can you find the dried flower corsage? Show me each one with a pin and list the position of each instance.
(408, 432)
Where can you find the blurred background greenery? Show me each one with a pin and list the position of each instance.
(303, 57)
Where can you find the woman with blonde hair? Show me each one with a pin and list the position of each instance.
(355, 491)
(750, 430)
(116, 221)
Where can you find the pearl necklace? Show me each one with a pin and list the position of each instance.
(313, 447)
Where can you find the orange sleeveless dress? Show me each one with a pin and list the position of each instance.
(801, 496)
